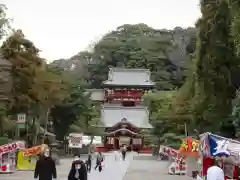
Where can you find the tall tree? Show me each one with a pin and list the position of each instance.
(67, 113)
(2, 117)
(235, 12)
(215, 58)
(167, 128)
(25, 60)
(4, 21)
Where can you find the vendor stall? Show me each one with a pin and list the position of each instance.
(177, 163)
(190, 151)
(8, 156)
(27, 159)
(213, 146)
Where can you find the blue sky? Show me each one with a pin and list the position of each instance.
(62, 28)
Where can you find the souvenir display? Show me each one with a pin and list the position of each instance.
(213, 146)
(190, 151)
(8, 156)
(26, 160)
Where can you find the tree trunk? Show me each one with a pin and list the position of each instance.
(46, 124)
(34, 135)
(90, 144)
(1, 127)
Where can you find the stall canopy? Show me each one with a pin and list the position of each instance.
(189, 147)
(217, 146)
(34, 150)
(213, 146)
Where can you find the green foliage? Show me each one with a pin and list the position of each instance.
(76, 110)
(4, 21)
(4, 140)
(163, 117)
(208, 91)
(25, 62)
(215, 57)
(136, 46)
(235, 12)
(2, 117)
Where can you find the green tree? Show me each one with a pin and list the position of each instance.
(136, 46)
(2, 118)
(208, 92)
(4, 21)
(25, 62)
(67, 113)
(163, 118)
(235, 12)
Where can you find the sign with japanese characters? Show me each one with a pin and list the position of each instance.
(11, 147)
(189, 147)
(21, 118)
(33, 151)
(8, 156)
(75, 140)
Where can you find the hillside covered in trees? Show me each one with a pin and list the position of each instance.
(167, 53)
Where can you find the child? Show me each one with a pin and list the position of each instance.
(78, 171)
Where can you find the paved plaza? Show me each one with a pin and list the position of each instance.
(131, 169)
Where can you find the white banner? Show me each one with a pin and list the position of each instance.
(75, 140)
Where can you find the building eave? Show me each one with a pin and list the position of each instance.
(122, 129)
(117, 69)
(144, 84)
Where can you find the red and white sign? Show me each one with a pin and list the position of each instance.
(11, 147)
(8, 156)
(171, 152)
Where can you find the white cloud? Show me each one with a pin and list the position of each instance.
(63, 28)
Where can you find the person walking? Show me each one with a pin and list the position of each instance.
(89, 162)
(77, 159)
(99, 162)
(45, 167)
(78, 171)
(124, 152)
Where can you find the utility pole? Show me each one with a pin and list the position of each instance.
(185, 129)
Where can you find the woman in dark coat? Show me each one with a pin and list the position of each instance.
(45, 167)
(78, 171)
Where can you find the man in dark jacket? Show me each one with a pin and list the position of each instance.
(45, 168)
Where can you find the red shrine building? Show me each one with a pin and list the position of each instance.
(123, 114)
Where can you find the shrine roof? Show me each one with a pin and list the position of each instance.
(129, 77)
(113, 114)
